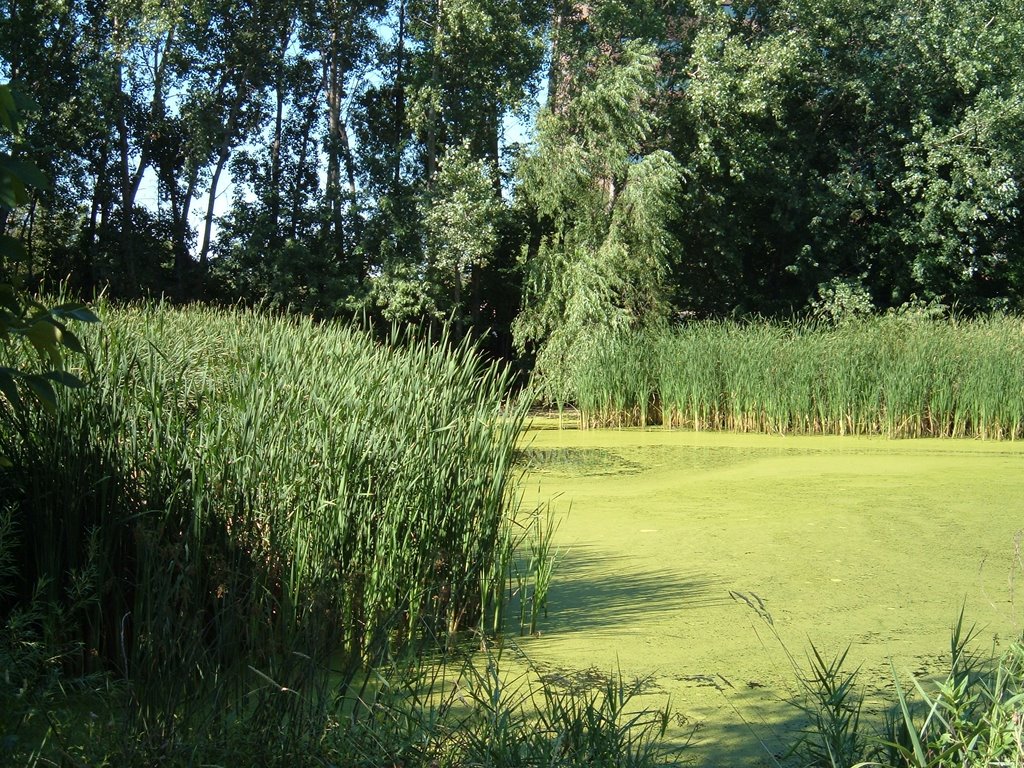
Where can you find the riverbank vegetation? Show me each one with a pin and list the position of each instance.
(969, 716)
(404, 159)
(236, 518)
(901, 375)
(249, 529)
(251, 525)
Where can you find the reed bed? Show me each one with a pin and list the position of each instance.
(900, 375)
(239, 506)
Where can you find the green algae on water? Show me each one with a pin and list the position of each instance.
(862, 542)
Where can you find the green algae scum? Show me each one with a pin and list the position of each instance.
(696, 560)
(277, 532)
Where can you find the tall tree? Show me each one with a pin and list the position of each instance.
(603, 193)
(459, 68)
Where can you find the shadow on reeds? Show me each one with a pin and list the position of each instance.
(594, 593)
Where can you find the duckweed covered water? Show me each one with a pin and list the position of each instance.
(679, 548)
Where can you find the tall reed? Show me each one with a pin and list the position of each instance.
(901, 375)
(241, 499)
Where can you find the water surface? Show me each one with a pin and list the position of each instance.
(684, 555)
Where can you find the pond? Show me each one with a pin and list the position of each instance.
(698, 559)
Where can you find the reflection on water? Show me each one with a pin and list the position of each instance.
(591, 462)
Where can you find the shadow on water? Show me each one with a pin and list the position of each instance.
(594, 592)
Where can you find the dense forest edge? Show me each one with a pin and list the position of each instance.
(527, 170)
(248, 517)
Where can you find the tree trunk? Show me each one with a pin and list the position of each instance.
(126, 251)
(275, 159)
(297, 188)
(222, 158)
(223, 153)
(433, 116)
(333, 85)
(180, 210)
(399, 98)
(494, 150)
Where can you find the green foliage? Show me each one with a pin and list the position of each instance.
(362, 502)
(840, 301)
(23, 320)
(968, 718)
(262, 535)
(460, 219)
(461, 233)
(904, 374)
(604, 195)
(834, 737)
(690, 156)
(843, 140)
(481, 714)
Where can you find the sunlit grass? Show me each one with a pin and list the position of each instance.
(897, 375)
(240, 505)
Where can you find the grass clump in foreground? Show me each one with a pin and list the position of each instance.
(203, 552)
(901, 375)
(970, 717)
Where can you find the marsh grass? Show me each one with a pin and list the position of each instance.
(473, 711)
(241, 513)
(901, 375)
(971, 716)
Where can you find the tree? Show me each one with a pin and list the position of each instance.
(461, 224)
(23, 319)
(603, 196)
(866, 143)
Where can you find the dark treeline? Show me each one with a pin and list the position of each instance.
(691, 158)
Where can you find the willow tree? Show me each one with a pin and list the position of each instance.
(602, 193)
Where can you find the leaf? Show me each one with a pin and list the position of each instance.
(69, 340)
(66, 379)
(78, 312)
(8, 109)
(12, 191)
(911, 729)
(24, 171)
(9, 387)
(44, 334)
(12, 249)
(9, 301)
(43, 391)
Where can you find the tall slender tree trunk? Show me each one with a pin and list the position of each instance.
(494, 150)
(180, 209)
(399, 99)
(333, 84)
(565, 12)
(29, 228)
(222, 159)
(86, 275)
(132, 180)
(340, 158)
(223, 153)
(298, 187)
(126, 250)
(275, 159)
(433, 111)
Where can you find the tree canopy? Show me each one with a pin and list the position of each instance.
(542, 167)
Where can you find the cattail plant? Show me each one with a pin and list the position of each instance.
(901, 375)
(239, 498)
